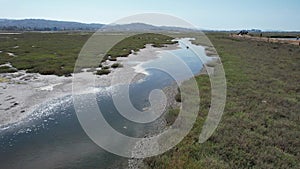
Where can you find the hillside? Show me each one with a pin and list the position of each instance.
(44, 25)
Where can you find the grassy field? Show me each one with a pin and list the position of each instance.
(56, 53)
(137, 42)
(45, 53)
(260, 127)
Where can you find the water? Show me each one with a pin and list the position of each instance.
(53, 138)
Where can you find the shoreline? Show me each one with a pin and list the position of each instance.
(161, 124)
(44, 88)
(21, 93)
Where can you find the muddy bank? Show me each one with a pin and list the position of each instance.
(22, 92)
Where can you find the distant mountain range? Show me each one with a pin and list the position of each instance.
(50, 25)
(44, 25)
(140, 27)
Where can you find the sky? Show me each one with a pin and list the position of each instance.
(204, 14)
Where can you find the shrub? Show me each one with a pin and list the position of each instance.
(103, 72)
(105, 67)
(112, 59)
(116, 65)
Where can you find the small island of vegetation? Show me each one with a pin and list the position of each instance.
(56, 54)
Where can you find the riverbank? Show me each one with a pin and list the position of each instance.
(23, 92)
(259, 128)
(158, 127)
(36, 88)
(161, 124)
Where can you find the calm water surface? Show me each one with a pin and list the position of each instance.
(53, 138)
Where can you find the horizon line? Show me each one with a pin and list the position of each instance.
(197, 28)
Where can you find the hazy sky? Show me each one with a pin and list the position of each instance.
(208, 14)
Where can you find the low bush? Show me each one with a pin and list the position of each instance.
(116, 65)
(103, 72)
